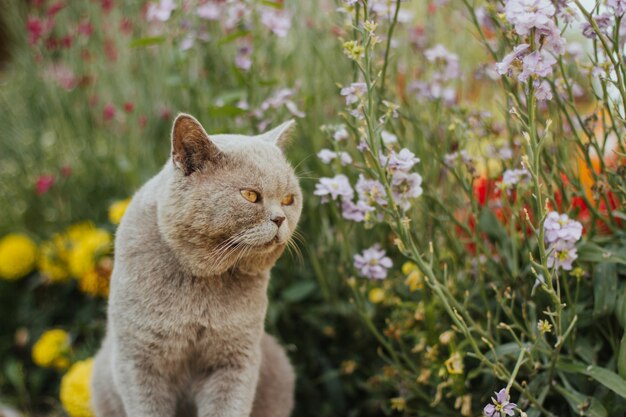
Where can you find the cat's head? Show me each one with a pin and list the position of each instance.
(229, 200)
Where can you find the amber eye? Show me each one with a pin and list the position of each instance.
(287, 200)
(251, 196)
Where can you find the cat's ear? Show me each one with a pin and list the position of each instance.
(192, 149)
(280, 135)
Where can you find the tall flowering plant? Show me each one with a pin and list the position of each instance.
(508, 228)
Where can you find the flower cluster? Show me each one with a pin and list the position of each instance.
(52, 349)
(445, 70)
(561, 234)
(373, 263)
(533, 20)
(17, 256)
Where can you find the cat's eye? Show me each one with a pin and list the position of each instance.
(287, 200)
(251, 196)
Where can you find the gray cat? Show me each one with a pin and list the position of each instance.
(188, 299)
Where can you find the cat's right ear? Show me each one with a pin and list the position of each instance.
(192, 149)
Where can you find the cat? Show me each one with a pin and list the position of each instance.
(193, 254)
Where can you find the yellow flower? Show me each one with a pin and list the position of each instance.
(376, 295)
(348, 367)
(17, 256)
(86, 250)
(409, 267)
(75, 389)
(52, 261)
(454, 364)
(414, 281)
(95, 282)
(52, 349)
(544, 326)
(117, 210)
(398, 403)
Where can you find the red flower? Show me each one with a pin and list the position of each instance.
(66, 41)
(44, 183)
(85, 28)
(35, 29)
(129, 107)
(110, 50)
(55, 8)
(126, 26)
(108, 112)
(107, 5)
(143, 121)
(66, 170)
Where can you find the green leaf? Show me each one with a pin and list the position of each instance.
(143, 42)
(488, 223)
(621, 358)
(590, 252)
(604, 289)
(609, 379)
(582, 404)
(620, 305)
(299, 291)
(233, 36)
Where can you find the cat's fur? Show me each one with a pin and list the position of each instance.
(188, 299)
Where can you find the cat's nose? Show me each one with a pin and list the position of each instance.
(278, 220)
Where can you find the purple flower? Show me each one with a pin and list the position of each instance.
(160, 11)
(326, 155)
(561, 255)
(355, 212)
(336, 187)
(500, 406)
(604, 22)
(341, 134)
(450, 62)
(559, 227)
(278, 21)
(388, 138)
(243, 59)
(618, 5)
(537, 63)
(528, 14)
(407, 185)
(354, 92)
(209, 11)
(543, 91)
(511, 177)
(345, 158)
(372, 263)
(402, 161)
(371, 191)
(504, 67)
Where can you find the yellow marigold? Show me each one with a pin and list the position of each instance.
(76, 389)
(117, 210)
(17, 256)
(95, 282)
(52, 349)
(86, 250)
(376, 295)
(52, 261)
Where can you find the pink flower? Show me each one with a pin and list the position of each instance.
(107, 5)
(55, 8)
(85, 28)
(44, 183)
(66, 170)
(35, 29)
(108, 112)
(372, 263)
(278, 21)
(161, 11)
(209, 11)
(129, 107)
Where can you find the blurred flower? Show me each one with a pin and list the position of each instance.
(278, 21)
(512, 177)
(87, 249)
(500, 406)
(406, 186)
(129, 107)
(160, 11)
(75, 391)
(96, 281)
(604, 21)
(354, 92)
(51, 349)
(371, 191)
(35, 29)
(561, 255)
(341, 134)
(449, 61)
(336, 187)
(372, 263)
(348, 367)
(243, 59)
(561, 227)
(414, 280)
(528, 14)
(108, 112)
(209, 10)
(537, 63)
(85, 28)
(355, 211)
(326, 155)
(18, 254)
(454, 364)
(376, 295)
(543, 91)
(398, 403)
(619, 6)
(117, 210)
(107, 5)
(44, 183)
(55, 8)
(388, 138)
(52, 260)
(402, 161)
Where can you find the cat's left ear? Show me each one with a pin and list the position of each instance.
(192, 149)
(280, 135)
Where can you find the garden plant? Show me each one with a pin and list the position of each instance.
(462, 248)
